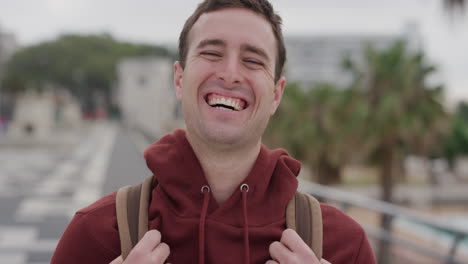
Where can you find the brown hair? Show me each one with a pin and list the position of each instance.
(262, 7)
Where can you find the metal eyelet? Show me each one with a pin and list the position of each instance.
(205, 187)
(246, 186)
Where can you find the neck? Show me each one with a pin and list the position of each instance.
(224, 168)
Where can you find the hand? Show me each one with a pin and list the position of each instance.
(149, 250)
(292, 250)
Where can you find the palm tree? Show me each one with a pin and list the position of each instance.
(407, 114)
(454, 5)
(322, 126)
(455, 8)
(456, 144)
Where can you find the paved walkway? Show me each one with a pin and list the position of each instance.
(41, 187)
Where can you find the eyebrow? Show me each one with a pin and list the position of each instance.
(244, 47)
(211, 42)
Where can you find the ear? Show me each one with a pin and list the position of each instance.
(178, 76)
(278, 94)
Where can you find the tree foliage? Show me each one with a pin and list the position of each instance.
(388, 111)
(457, 143)
(407, 112)
(455, 7)
(322, 126)
(80, 63)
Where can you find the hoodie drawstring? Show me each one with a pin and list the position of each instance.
(244, 190)
(205, 190)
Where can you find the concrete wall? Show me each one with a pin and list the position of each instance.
(8, 47)
(38, 115)
(146, 94)
(33, 115)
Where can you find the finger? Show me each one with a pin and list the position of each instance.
(324, 261)
(281, 253)
(271, 262)
(149, 241)
(160, 253)
(294, 242)
(118, 260)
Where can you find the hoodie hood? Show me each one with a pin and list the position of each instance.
(271, 184)
(272, 181)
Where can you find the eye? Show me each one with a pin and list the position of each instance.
(254, 62)
(210, 54)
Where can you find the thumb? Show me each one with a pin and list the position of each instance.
(118, 260)
(322, 261)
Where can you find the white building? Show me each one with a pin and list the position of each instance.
(8, 47)
(38, 115)
(33, 115)
(315, 59)
(146, 94)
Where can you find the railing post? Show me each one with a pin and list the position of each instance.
(384, 244)
(385, 239)
(453, 250)
(344, 207)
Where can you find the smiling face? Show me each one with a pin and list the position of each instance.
(227, 86)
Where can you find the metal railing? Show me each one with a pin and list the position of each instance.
(390, 212)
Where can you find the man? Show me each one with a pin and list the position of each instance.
(219, 195)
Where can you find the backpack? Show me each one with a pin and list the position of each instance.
(303, 214)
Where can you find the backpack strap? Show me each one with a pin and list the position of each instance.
(304, 215)
(132, 214)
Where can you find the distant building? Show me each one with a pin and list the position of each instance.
(33, 115)
(315, 59)
(146, 94)
(38, 115)
(8, 47)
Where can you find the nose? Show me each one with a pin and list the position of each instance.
(230, 71)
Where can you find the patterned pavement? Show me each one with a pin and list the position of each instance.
(41, 188)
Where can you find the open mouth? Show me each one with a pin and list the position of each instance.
(225, 103)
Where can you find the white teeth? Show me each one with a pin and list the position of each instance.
(237, 106)
(225, 101)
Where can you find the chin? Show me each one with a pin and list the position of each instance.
(225, 136)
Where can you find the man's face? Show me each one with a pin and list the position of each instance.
(227, 87)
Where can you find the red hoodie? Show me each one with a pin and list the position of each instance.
(196, 228)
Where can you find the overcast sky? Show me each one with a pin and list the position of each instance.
(159, 22)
